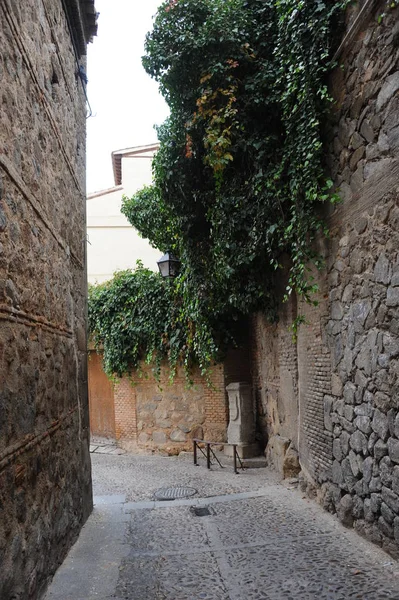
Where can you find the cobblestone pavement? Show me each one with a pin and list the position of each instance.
(245, 537)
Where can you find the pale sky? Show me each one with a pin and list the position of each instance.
(124, 99)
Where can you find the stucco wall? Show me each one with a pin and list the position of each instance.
(45, 479)
(113, 244)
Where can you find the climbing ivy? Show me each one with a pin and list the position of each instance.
(239, 177)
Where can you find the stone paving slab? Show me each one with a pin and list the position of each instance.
(100, 445)
(260, 541)
(140, 476)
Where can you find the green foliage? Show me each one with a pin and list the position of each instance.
(129, 317)
(239, 178)
(153, 219)
(139, 316)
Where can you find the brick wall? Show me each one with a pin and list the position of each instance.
(314, 383)
(125, 410)
(216, 406)
(165, 415)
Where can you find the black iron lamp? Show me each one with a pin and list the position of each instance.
(168, 265)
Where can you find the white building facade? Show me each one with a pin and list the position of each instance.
(113, 244)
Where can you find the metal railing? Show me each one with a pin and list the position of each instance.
(209, 451)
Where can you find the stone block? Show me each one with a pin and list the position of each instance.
(380, 424)
(391, 345)
(382, 401)
(337, 475)
(241, 429)
(368, 513)
(143, 438)
(358, 508)
(396, 529)
(328, 404)
(349, 392)
(356, 140)
(395, 480)
(196, 432)
(358, 442)
(373, 438)
(375, 485)
(291, 466)
(336, 450)
(276, 450)
(361, 380)
(367, 469)
(339, 405)
(392, 296)
(348, 413)
(349, 478)
(348, 293)
(387, 513)
(354, 463)
(336, 385)
(385, 527)
(375, 503)
(380, 449)
(337, 311)
(391, 499)
(345, 511)
(392, 413)
(178, 436)
(344, 439)
(389, 88)
(393, 450)
(367, 131)
(382, 270)
(159, 437)
(363, 423)
(395, 278)
(185, 428)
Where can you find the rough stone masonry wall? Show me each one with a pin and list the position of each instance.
(275, 384)
(45, 481)
(359, 327)
(166, 416)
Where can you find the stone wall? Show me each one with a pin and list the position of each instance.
(45, 480)
(348, 353)
(275, 385)
(362, 331)
(165, 416)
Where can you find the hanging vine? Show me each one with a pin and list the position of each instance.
(239, 177)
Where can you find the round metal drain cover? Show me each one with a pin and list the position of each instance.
(174, 493)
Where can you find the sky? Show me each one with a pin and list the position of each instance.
(125, 101)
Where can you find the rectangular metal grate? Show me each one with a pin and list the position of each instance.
(201, 511)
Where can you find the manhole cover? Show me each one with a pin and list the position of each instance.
(174, 493)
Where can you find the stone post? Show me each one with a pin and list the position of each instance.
(241, 429)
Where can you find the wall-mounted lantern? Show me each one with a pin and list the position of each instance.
(168, 265)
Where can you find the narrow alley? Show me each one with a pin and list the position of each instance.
(239, 537)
